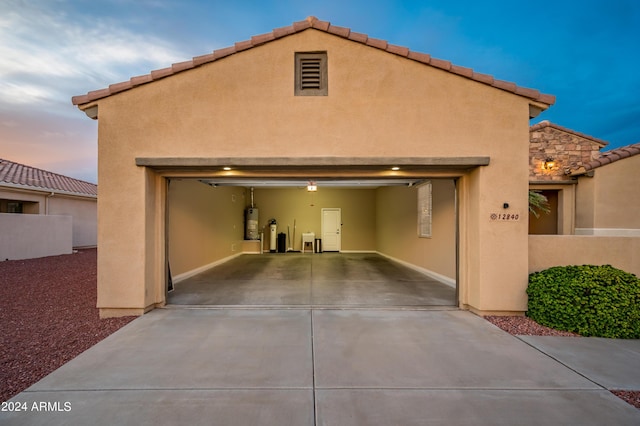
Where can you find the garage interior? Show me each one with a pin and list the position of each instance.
(380, 258)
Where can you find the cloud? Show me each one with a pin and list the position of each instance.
(46, 52)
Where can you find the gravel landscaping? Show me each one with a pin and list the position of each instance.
(525, 326)
(48, 317)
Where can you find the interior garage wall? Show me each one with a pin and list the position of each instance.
(397, 227)
(358, 209)
(205, 224)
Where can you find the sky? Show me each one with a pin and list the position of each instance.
(585, 52)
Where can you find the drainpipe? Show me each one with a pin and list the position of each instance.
(46, 203)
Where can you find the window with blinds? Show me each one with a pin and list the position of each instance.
(311, 74)
(424, 210)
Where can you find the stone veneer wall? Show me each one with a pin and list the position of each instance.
(568, 149)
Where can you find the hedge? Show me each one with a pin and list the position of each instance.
(589, 300)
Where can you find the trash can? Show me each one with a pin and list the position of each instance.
(282, 242)
(318, 245)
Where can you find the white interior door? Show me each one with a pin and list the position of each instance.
(331, 229)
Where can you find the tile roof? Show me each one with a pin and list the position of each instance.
(545, 123)
(25, 176)
(609, 157)
(315, 23)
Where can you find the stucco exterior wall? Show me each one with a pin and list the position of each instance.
(84, 213)
(546, 251)
(82, 210)
(608, 203)
(378, 105)
(28, 236)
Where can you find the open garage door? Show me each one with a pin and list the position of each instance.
(383, 260)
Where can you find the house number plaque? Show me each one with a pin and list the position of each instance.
(505, 217)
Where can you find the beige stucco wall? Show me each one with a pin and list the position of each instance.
(608, 203)
(378, 105)
(82, 210)
(205, 224)
(546, 251)
(28, 236)
(84, 214)
(397, 228)
(358, 213)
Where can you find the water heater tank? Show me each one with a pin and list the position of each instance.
(251, 220)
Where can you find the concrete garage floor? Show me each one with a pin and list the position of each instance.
(302, 365)
(326, 279)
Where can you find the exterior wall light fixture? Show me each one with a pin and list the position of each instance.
(548, 164)
(312, 187)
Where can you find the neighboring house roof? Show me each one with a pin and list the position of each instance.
(313, 22)
(545, 123)
(609, 157)
(18, 175)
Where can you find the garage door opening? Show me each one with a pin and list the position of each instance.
(383, 259)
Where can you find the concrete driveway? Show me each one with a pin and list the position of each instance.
(311, 366)
(331, 339)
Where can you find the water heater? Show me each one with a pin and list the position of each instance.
(251, 221)
(273, 237)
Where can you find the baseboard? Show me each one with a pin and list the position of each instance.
(185, 275)
(436, 276)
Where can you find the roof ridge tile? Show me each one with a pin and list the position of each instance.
(440, 63)
(243, 45)
(377, 43)
(339, 31)
(321, 25)
(182, 66)
(257, 40)
(398, 50)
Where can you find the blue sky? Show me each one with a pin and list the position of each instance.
(586, 53)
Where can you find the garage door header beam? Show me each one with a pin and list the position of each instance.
(299, 162)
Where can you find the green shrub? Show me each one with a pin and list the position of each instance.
(589, 300)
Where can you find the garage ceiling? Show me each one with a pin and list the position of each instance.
(323, 183)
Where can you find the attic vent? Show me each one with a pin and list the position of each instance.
(311, 74)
